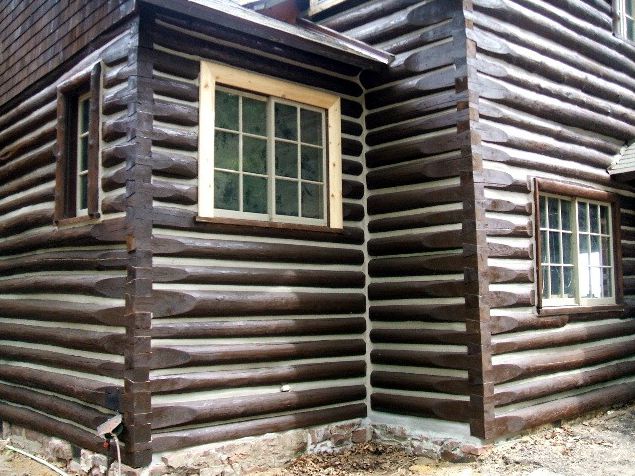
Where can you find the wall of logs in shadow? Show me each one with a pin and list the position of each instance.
(415, 208)
(239, 310)
(61, 288)
(549, 112)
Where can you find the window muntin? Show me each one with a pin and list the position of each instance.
(576, 252)
(275, 151)
(81, 160)
(626, 18)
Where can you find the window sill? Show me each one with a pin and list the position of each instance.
(268, 224)
(63, 222)
(564, 310)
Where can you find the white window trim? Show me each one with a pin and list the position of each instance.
(621, 19)
(214, 73)
(578, 301)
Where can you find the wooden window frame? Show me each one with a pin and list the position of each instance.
(574, 192)
(213, 74)
(620, 19)
(68, 96)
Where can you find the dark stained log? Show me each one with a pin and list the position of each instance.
(364, 13)
(116, 154)
(172, 88)
(165, 191)
(244, 303)
(415, 289)
(65, 260)
(498, 250)
(628, 250)
(415, 243)
(501, 180)
(628, 267)
(414, 127)
(418, 171)
(253, 251)
(351, 167)
(26, 221)
(410, 199)
(67, 338)
(190, 355)
(446, 409)
(27, 163)
(173, 138)
(26, 107)
(499, 274)
(117, 101)
(117, 75)
(437, 142)
(351, 147)
(351, 108)
(415, 87)
(29, 142)
(222, 409)
(535, 415)
(185, 219)
(352, 190)
(114, 179)
(50, 426)
(258, 276)
(80, 388)
(421, 312)
(114, 203)
(419, 336)
(190, 382)
(352, 128)
(32, 122)
(181, 166)
(416, 265)
(175, 113)
(555, 384)
(173, 440)
(510, 299)
(499, 227)
(45, 194)
(567, 336)
(62, 311)
(418, 38)
(447, 360)
(117, 51)
(29, 180)
(353, 212)
(418, 220)
(174, 65)
(116, 128)
(503, 324)
(419, 382)
(265, 328)
(54, 406)
(79, 284)
(559, 360)
(506, 206)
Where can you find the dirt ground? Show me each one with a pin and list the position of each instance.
(603, 445)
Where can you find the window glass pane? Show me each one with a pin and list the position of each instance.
(595, 282)
(555, 278)
(226, 190)
(83, 192)
(544, 242)
(312, 201)
(286, 120)
(595, 218)
(567, 248)
(286, 159)
(226, 110)
(226, 150)
(630, 7)
(545, 281)
(583, 245)
(254, 155)
(585, 283)
(554, 218)
(543, 212)
(595, 251)
(254, 116)
(565, 212)
(287, 197)
(583, 222)
(606, 251)
(311, 163)
(84, 115)
(569, 282)
(554, 247)
(311, 127)
(83, 154)
(604, 220)
(607, 283)
(254, 194)
(630, 29)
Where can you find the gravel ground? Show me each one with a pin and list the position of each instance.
(603, 445)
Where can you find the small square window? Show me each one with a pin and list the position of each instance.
(78, 147)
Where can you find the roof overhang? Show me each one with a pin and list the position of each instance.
(305, 36)
(623, 169)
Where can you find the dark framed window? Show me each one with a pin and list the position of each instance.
(578, 252)
(624, 20)
(77, 174)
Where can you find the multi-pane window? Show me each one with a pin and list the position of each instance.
(269, 150)
(269, 158)
(576, 252)
(626, 18)
(81, 174)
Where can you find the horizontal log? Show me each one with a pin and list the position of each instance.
(118, 75)
(50, 426)
(117, 154)
(268, 328)
(171, 88)
(26, 107)
(185, 219)
(500, 227)
(499, 250)
(351, 108)
(498, 179)
(53, 406)
(240, 407)
(568, 336)
(274, 375)
(253, 251)
(82, 284)
(67, 260)
(79, 388)
(259, 276)
(364, 14)
(62, 311)
(29, 180)
(116, 128)
(506, 206)
(445, 360)
(352, 189)
(561, 383)
(419, 171)
(117, 101)
(352, 147)
(419, 336)
(173, 138)
(26, 220)
(411, 199)
(253, 303)
(172, 440)
(26, 163)
(415, 289)
(445, 409)
(175, 113)
(27, 143)
(114, 203)
(353, 212)
(174, 65)
(417, 220)
(415, 243)
(503, 324)
(559, 360)
(182, 356)
(45, 194)
(510, 299)
(568, 407)
(164, 191)
(351, 167)
(174, 165)
(352, 128)
(418, 312)
(419, 382)
(117, 51)
(499, 274)
(416, 265)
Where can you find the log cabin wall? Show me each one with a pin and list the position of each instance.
(240, 311)
(62, 287)
(554, 89)
(420, 217)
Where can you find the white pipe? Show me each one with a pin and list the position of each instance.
(39, 460)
